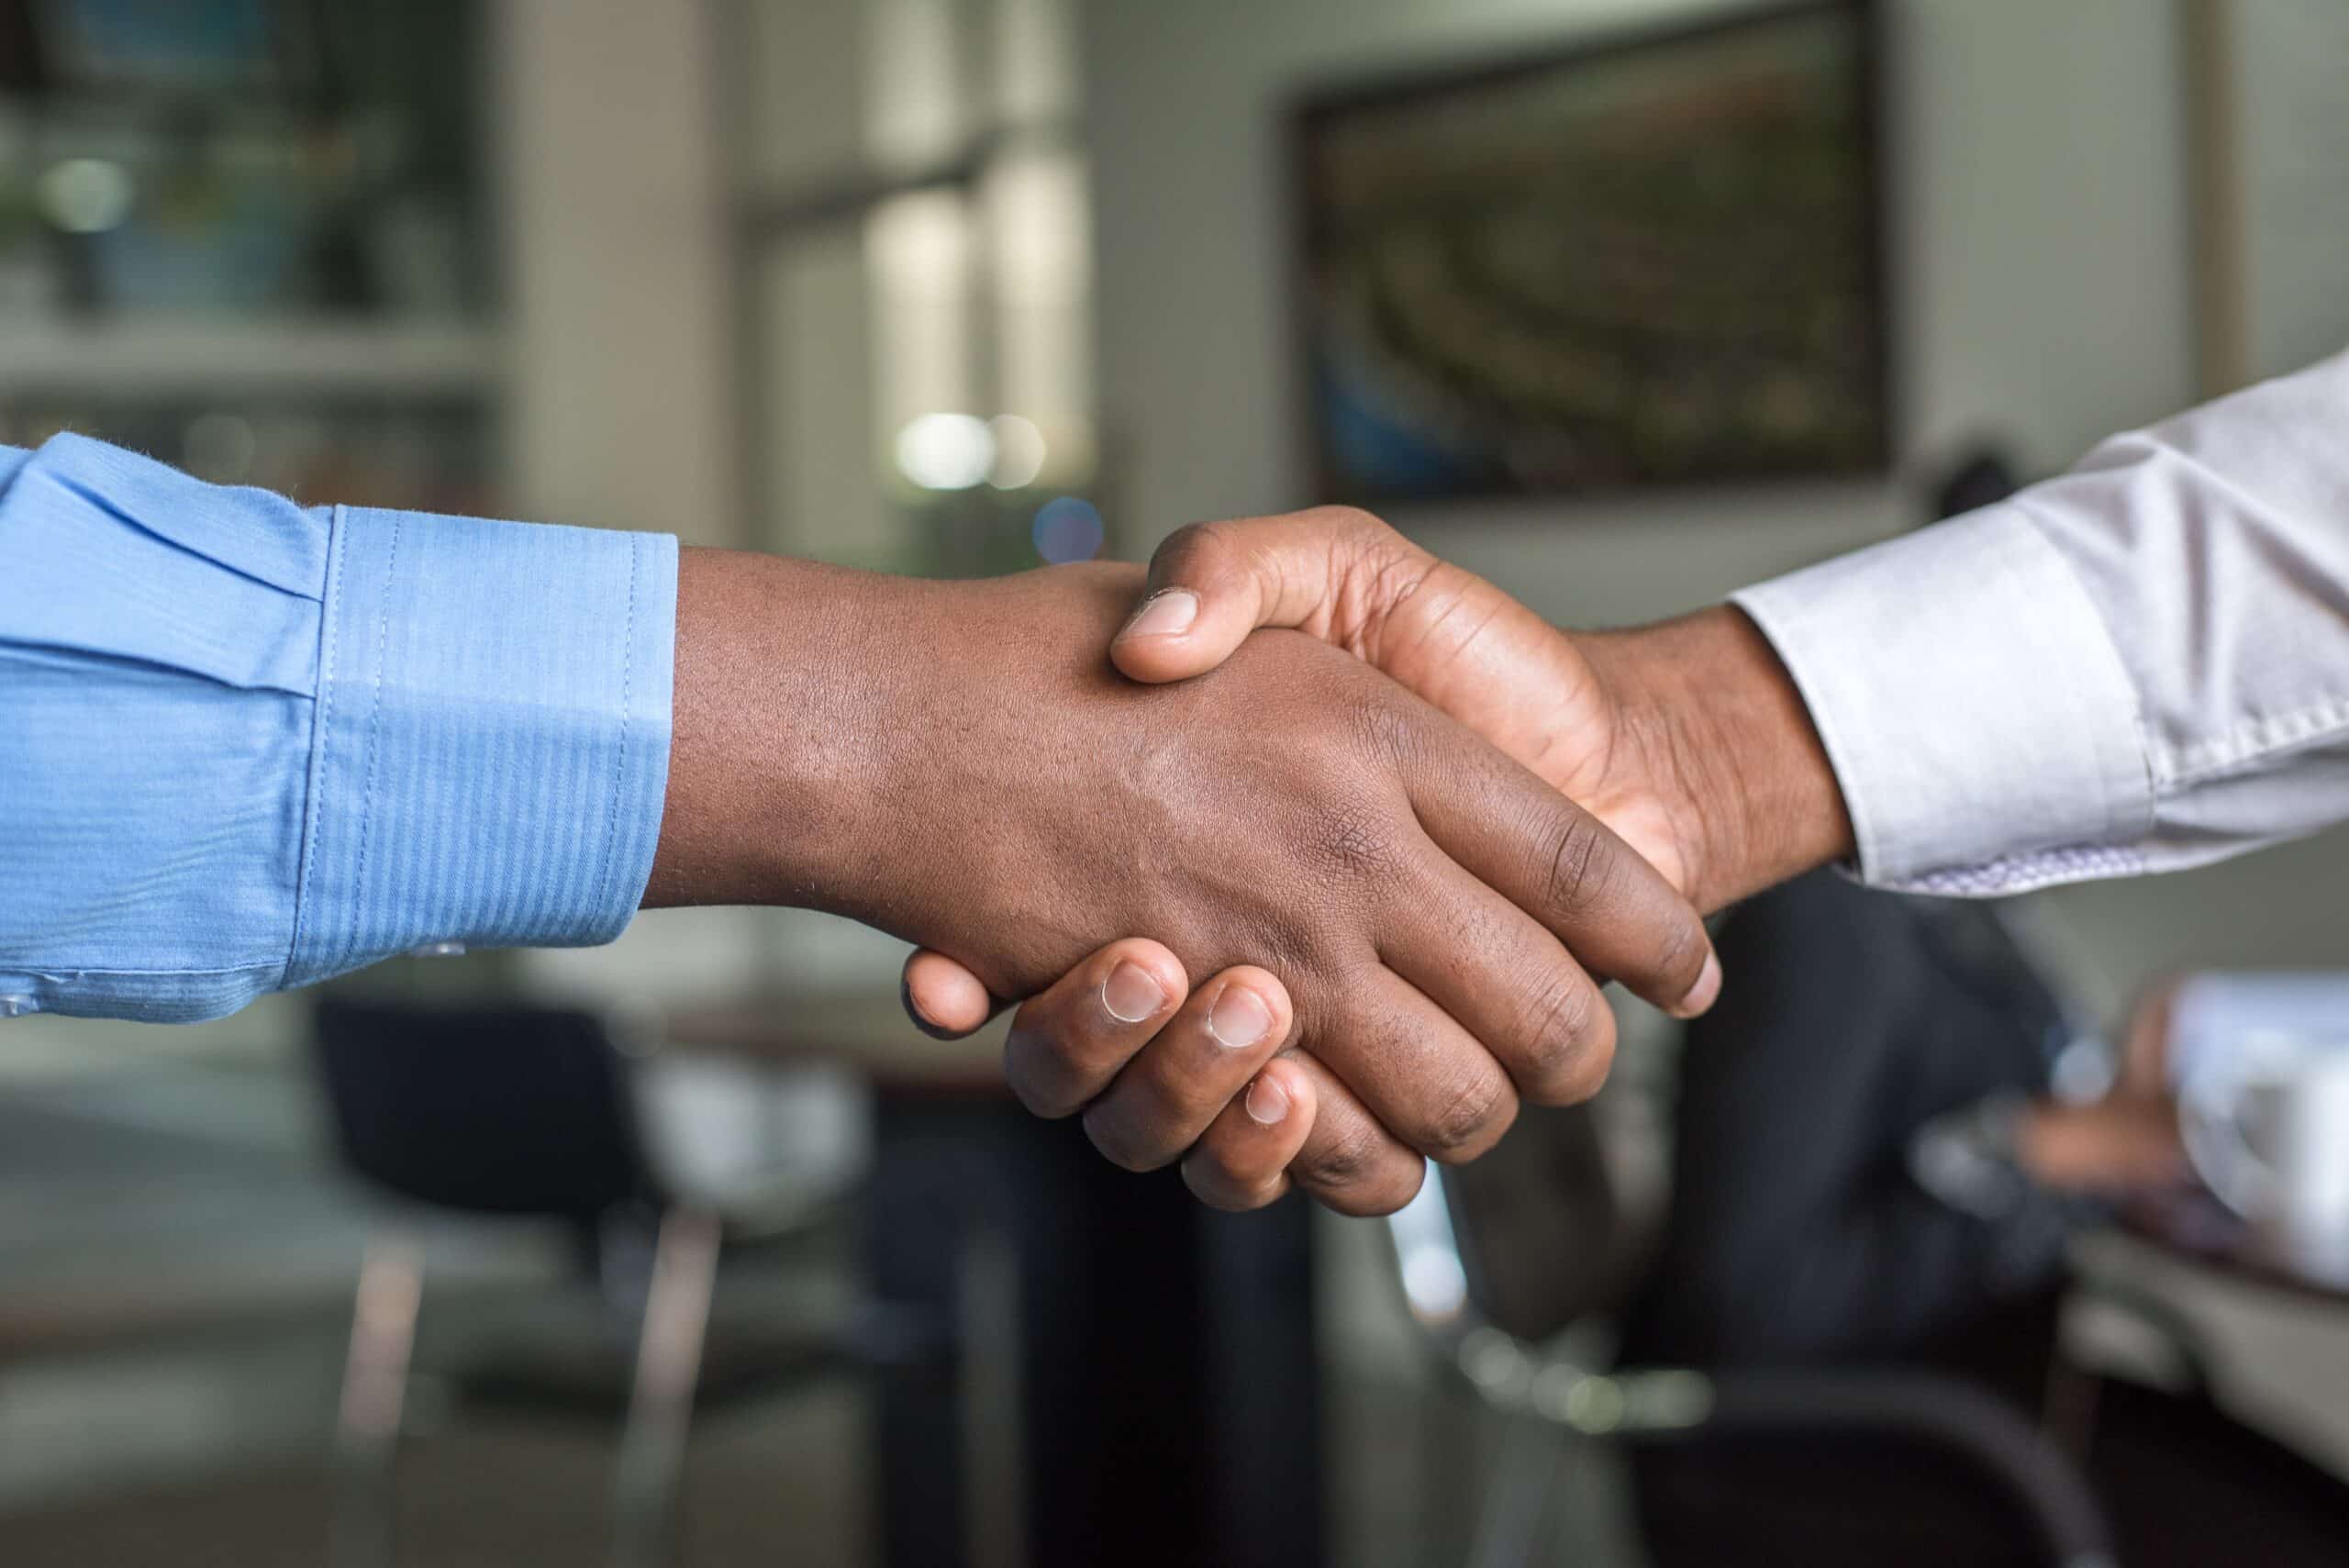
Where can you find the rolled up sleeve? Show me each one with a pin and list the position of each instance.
(252, 745)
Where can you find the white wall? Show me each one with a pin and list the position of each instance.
(2042, 289)
(616, 168)
(610, 174)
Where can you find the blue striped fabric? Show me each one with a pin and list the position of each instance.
(245, 745)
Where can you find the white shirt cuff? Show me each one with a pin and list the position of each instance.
(1979, 719)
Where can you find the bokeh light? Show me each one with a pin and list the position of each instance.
(86, 195)
(946, 451)
(1018, 452)
(1068, 528)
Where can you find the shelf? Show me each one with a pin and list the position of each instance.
(132, 359)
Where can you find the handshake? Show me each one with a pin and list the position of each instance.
(1406, 827)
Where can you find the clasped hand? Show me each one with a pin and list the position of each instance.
(1424, 1006)
(1402, 824)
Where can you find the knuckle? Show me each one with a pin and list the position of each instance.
(1184, 1101)
(1225, 1200)
(1341, 518)
(1040, 1080)
(1299, 940)
(1191, 546)
(1385, 729)
(1214, 1183)
(1342, 1157)
(1354, 839)
(1679, 950)
(1476, 1109)
(1041, 1102)
(1569, 1044)
(1379, 1192)
(1581, 872)
(1122, 1144)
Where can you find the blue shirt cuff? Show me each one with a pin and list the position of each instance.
(491, 748)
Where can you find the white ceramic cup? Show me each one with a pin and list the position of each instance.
(2267, 1129)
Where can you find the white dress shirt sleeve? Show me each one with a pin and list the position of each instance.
(2139, 666)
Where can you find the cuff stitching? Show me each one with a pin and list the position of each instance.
(374, 713)
(329, 633)
(2258, 740)
(620, 761)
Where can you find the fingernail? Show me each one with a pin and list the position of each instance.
(1239, 1018)
(1164, 615)
(1268, 1102)
(1701, 995)
(1131, 995)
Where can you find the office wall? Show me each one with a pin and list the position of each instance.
(617, 163)
(2041, 283)
(607, 118)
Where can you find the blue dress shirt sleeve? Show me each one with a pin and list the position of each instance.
(246, 745)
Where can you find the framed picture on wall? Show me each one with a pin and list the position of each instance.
(1648, 261)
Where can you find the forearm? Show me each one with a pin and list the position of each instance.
(1718, 725)
(835, 746)
(778, 698)
(2115, 1145)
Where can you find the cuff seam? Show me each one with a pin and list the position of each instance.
(1844, 757)
(375, 718)
(619, 759)
(321, 722)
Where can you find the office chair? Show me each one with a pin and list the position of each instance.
(1491, 1260)
(2188, 1484)
(512, 1111)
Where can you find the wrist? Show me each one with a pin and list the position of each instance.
(1714, 723)
(776, 730)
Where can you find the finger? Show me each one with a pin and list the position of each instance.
(1615, 913)
(1241, 1161)
(1210, 585)
(1200, 1063)
(1504, 978)
(1431, 1084)
(1349, 1163)
(943, 998)
(1068, 1042)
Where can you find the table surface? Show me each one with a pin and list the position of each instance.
(866, 1031)
(2200, 1229)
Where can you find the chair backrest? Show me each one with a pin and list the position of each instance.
(488, 1110)
(1544, 1238)
(1544, 1242)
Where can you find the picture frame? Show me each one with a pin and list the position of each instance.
(1653, 259)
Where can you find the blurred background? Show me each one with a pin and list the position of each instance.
(1622, 303)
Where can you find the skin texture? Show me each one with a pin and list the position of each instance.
(958, 765)
(2127, 1141)
(1688, 739)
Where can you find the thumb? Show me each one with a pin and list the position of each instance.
(941, 997)
(1212, 583)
